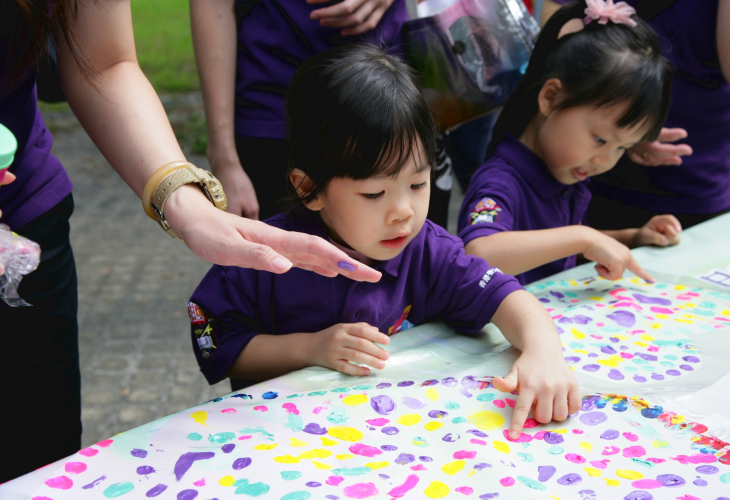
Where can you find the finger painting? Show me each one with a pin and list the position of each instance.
(629, 330)
(402, 439)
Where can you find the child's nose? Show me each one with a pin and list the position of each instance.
(400, 212)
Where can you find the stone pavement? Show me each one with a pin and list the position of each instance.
(137, 363)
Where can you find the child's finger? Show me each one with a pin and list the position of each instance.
(635, 268)
(367, 332)
(344, 366)
(506, 384)
(560, 406)
(574, 399)
(543, 410)
(363, 358)
(522, 410)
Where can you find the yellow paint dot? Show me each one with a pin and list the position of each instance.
(726, 312)
(487, 420)
(500, 446)
(679, 287)
(322, 466)
(573, 283)
(677, 419)
(355, 399)
(607, 362)
(226, 481)
(473, 471)
(409, 419)
(200, 417)
(612, 482)
(318, 453)
(690, 304)
(432, 426)
(345, 434)
(432, 394)
(640, 344)
(436, 489)
(377, 465)
(263, 447)
(577, 334)
(561, 431)
(683, 320)
(580, 351)
(328, 442)
(690, 316)
(656, 325)
(586, 446)
(592, 472)
(344, 456)
(647, 337)
(662, 316)
(297, 443)
(622, 337)
(452, 468)
(658, 443)
(596, 298)
(629, 474)
(287, 459)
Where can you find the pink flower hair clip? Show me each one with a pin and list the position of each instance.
(606, 10)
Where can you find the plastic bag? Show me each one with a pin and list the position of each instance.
(19, 256)
(470, 56)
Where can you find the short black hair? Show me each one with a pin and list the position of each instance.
(601, 65)
(355, 111)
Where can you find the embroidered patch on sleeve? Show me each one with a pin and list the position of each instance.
(402, 323)
(486, 210)
(488, 276)
(203, 329)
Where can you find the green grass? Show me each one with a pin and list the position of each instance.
(164, 44)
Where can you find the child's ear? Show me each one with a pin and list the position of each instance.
(549, 96)
(304, 185)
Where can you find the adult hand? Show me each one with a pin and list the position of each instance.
(340, 344)
(661, 152)
(661, 230)
(612, 258)
(546, 385)
(229, 240)
(242, 200)
(355, 16)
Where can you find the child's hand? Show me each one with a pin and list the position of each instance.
(612, 258)
(336, 346)
(547, 386)
(661, 230)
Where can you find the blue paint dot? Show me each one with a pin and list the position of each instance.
(270, 395)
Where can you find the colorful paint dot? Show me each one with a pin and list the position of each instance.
(355, 399)
(409, 419)
(346, 433)
(487, 420)
(436, 489)
(118, 489)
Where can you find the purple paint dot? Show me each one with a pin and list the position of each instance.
(314, 484)
(390, 431)
(553, 438)
(607, 349)
(382, 404)
(707, 469)
(383, 385)
(557, 295)
(404, 458)
(686, 368)
(227, 448)
(156, 490)
(639, 495)
(407, 383)
(384, 476)
(388, 447)
(241, 463)
(572, 359)
(623, 318)
(145, 469)
(429, 382)
(639, 378)
(691, 359)
(346, 266)
(545, 472)
(673, 373)
(670, 480)
(591, 368)
(646, 357)
(614, 374)
(657, 376)
(482, 466)
(437, 414)
(593, 418)
(699, 482)
(425, 459)
(138, 453)
(187, 495)
(615, 340)
(651, 300)
(544, 300)
(488, 496)
(186, 461)
(450, 438)
(569, 479)
(477, 433)
(610, 434)
(412, 403)
(315, 429)
(449, 382)
(332, 497)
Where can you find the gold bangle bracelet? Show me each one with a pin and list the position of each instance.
(155, 179)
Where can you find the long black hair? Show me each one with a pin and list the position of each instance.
(354, 111)
(601, 65)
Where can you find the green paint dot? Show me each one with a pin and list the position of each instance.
(668, 364)
(194, 436)
(362, 387)
(638, 361)
(297, 495)
(294, 396)
(630, 369)
(252, 490)
(725, 478)
(555, 450)
(648, 368)
(486, 397)
(526, 457)
(290, 475)
(354, 471)
(671, 356)
(459, 420)
(531, 483)
(118, 489)
(221, 437)
(645, 463)
(317, 393)
(341, 389)
(570, 294)
(451, 405)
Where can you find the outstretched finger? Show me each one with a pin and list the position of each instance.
(635, 268)
(522, 411)
(508, 383)
(672, 134)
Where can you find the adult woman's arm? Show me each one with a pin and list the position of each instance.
(126, 121)
(214, 39)
(723, 37)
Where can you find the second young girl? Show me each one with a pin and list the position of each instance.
(361, 146)
(596, 85)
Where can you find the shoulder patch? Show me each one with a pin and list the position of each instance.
(202, 327)
(486, 210)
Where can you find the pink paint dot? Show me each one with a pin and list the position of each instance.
(243, 438)
(410, 483)
(105, 443)
(418, 467)
(688, 497)
(378, 422)
(41, 498)
(575, 458)
(577, 431)
(200, 482)
(464, 490)
(334, 480)
(652, 348)
(634, 451)
(596, 337)
(600, 464)
(631, 437)
(530, 423)
(317, 410)
(364, 450)
(260, 408)
(290, 408)
(600, 324)
(478, 441)
(647, 484)
(360, 490)
(498, 403)
(524, 438)
(458, 455)
(228, 410)
(610, 450)
(540, 435)
(59, 483)
(88, 452)
(656, 460)
(507, 481)
(510, 402)
(627, 355)
(75, 467)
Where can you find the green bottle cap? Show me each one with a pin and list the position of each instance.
(8, 147)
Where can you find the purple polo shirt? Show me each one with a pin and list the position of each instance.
(41, 180)
(274, 38)
(515, 191)
(700, 105)
(431, 280)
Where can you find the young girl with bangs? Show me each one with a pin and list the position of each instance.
(361, 147)
(596, 85)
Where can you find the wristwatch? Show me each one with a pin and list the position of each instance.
(184, 173)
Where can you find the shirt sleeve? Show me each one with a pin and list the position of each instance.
(464, 291)
(223, 318)
(487, 207)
